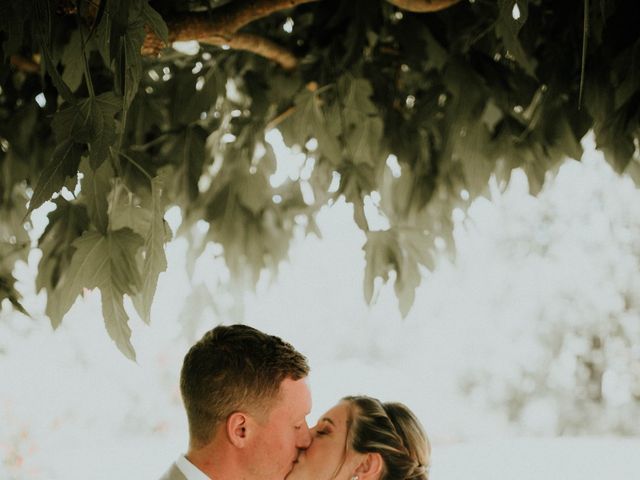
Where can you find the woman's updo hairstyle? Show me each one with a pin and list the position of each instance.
(393, 431)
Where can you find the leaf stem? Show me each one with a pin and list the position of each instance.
(85, 62)
(159, 139)
(585, 36)
(137, 165)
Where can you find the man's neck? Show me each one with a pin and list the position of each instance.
(218, 462)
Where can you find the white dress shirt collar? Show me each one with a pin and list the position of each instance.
(189, 470)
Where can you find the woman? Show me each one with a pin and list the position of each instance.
(362, 438)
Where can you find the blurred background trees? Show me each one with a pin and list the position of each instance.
(573, 306)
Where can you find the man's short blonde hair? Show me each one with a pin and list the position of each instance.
(234, 368)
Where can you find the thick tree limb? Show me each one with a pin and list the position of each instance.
(423, 6)
(259, 45)
(232, 16)
(220, 27)
(222, 22)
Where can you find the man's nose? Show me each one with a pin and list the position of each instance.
(304, 437)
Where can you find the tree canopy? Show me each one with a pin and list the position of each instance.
(410, 106)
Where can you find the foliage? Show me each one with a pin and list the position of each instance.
(455, 96)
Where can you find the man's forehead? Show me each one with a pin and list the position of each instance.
(296, 395)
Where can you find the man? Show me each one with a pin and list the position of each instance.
(246, 399)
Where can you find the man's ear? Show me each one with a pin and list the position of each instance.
(236, 425)
(370, 467)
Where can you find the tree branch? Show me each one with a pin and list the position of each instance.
(24, 64)
(222, 22)
(232, 16)
(423, 6)
(259, 45)
(221, 25)
(274, 122)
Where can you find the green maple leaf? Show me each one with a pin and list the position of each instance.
(66, 223)
(253, 191)
(364, 127)
(64, 164)
(106, 262)
(417, 249)
(437, 55)
(309, 120)
(356, 180)
(364, 140)
(508, 28)
(306, 109)
(14, 237)
(407, 280)
(89, 121)
(418, 245)
(397, 250)
(53, 310)
(469, 148)
(128, 211)
(96, 186)
(356, 95)
(7, 290)
(103, 126)
(73, 61)
(155, 260)
(61, 86)
(68, 121)
(380, 253)
(129, 60)
(119, 37)
(189, 102)
(189, 152)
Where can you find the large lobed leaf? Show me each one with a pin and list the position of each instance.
(155, 260)
(106, 262)
(87, 124)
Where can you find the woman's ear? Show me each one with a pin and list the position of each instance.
(370, 467)
(236, 425)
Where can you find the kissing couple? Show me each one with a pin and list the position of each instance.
(246, 398)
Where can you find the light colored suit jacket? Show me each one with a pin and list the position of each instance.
(173, 473)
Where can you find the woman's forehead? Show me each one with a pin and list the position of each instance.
(337, 414)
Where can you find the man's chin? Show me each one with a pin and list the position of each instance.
(291, 473)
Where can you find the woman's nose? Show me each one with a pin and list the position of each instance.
(304, 436)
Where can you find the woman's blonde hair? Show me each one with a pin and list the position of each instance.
(393, 431)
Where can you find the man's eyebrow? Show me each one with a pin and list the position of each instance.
(327, 419)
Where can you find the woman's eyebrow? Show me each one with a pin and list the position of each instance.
(327, 419)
